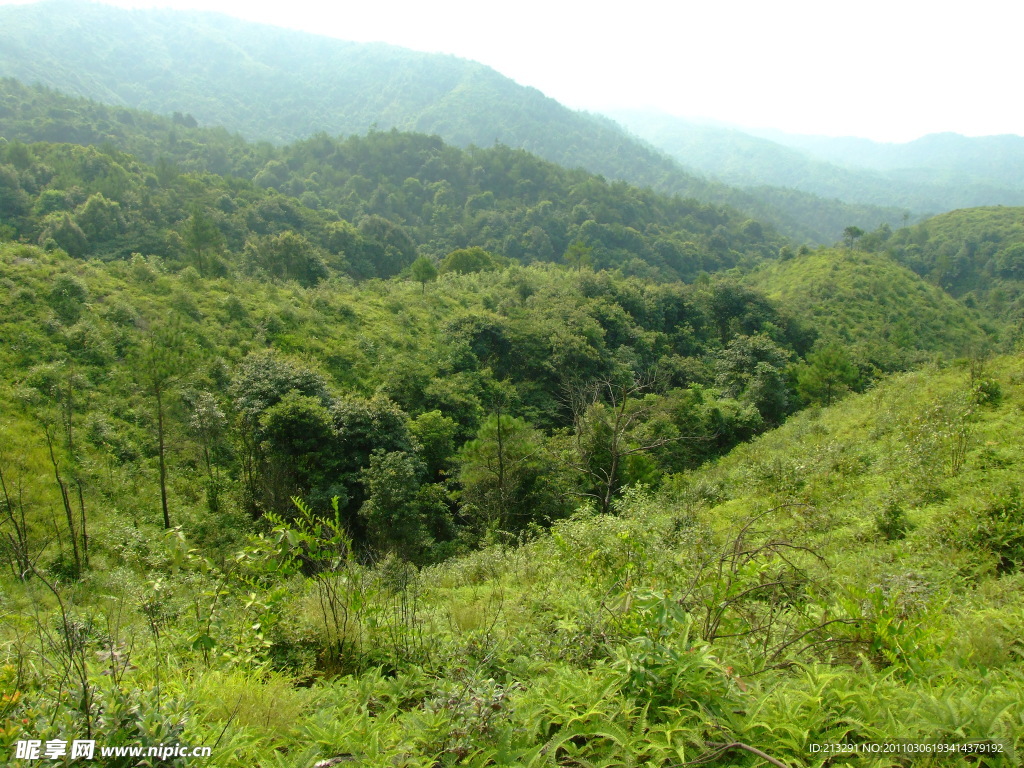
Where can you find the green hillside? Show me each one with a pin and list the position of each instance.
(280, 85)
(377, 450)
(882, 313)
(976, 255)
(409, 192)
(550, 349)
(852, 577)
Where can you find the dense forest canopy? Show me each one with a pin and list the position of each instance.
(975, 255)
(406, 192)
(535, 301)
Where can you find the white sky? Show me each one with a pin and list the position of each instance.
(890, 70)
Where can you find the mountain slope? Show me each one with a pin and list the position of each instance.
(862, 560)
(432, 197)
(884, 314)
(976, 255)
(999, 159)
(279, 85)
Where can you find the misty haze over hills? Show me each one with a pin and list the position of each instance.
(935, 173)
(280, 85)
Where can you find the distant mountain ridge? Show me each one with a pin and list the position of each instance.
(998, 158)
(210, 66)
(936, 173)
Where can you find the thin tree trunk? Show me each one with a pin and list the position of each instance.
(67, 506)
(160, 452)
(69, 427)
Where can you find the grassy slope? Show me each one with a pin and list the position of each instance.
(592, 643)
(883, 313)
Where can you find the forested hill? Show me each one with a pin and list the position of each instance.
(976, 255)
(864, 557)
(281, 85)
(408, 194)
(374, 450)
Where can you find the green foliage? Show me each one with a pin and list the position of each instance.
(288, 256)
(68, 296)
(999, 528)
(710, 627)
(264, 378)
(59, 230)
(100, 220)
(972, 254)
(508, 478)
(752, 368)
(296, 434)
(579, 255)
(466, 260)
(891, 520)
(391, 247)
(435, 433)
(665, 667)
(851, 235)
(193, 202)
(463, 102)
(203, 239)
(423, 271)
(826, 375)
(394, 520)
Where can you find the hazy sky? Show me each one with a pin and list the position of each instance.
(890, 70)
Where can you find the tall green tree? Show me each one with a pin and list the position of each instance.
(423, 271)
(287, 256)
(579, 255)
(208, 424)
(100, 219)
(395, 249)
(393, 516)
(59, 230)
(613, 435)
(851, 235)
(262, 381)
(165, 359)
(202, 238)
(300, 451)
(826, 374)
(506, 475)
(753, 369)
(466, 260)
